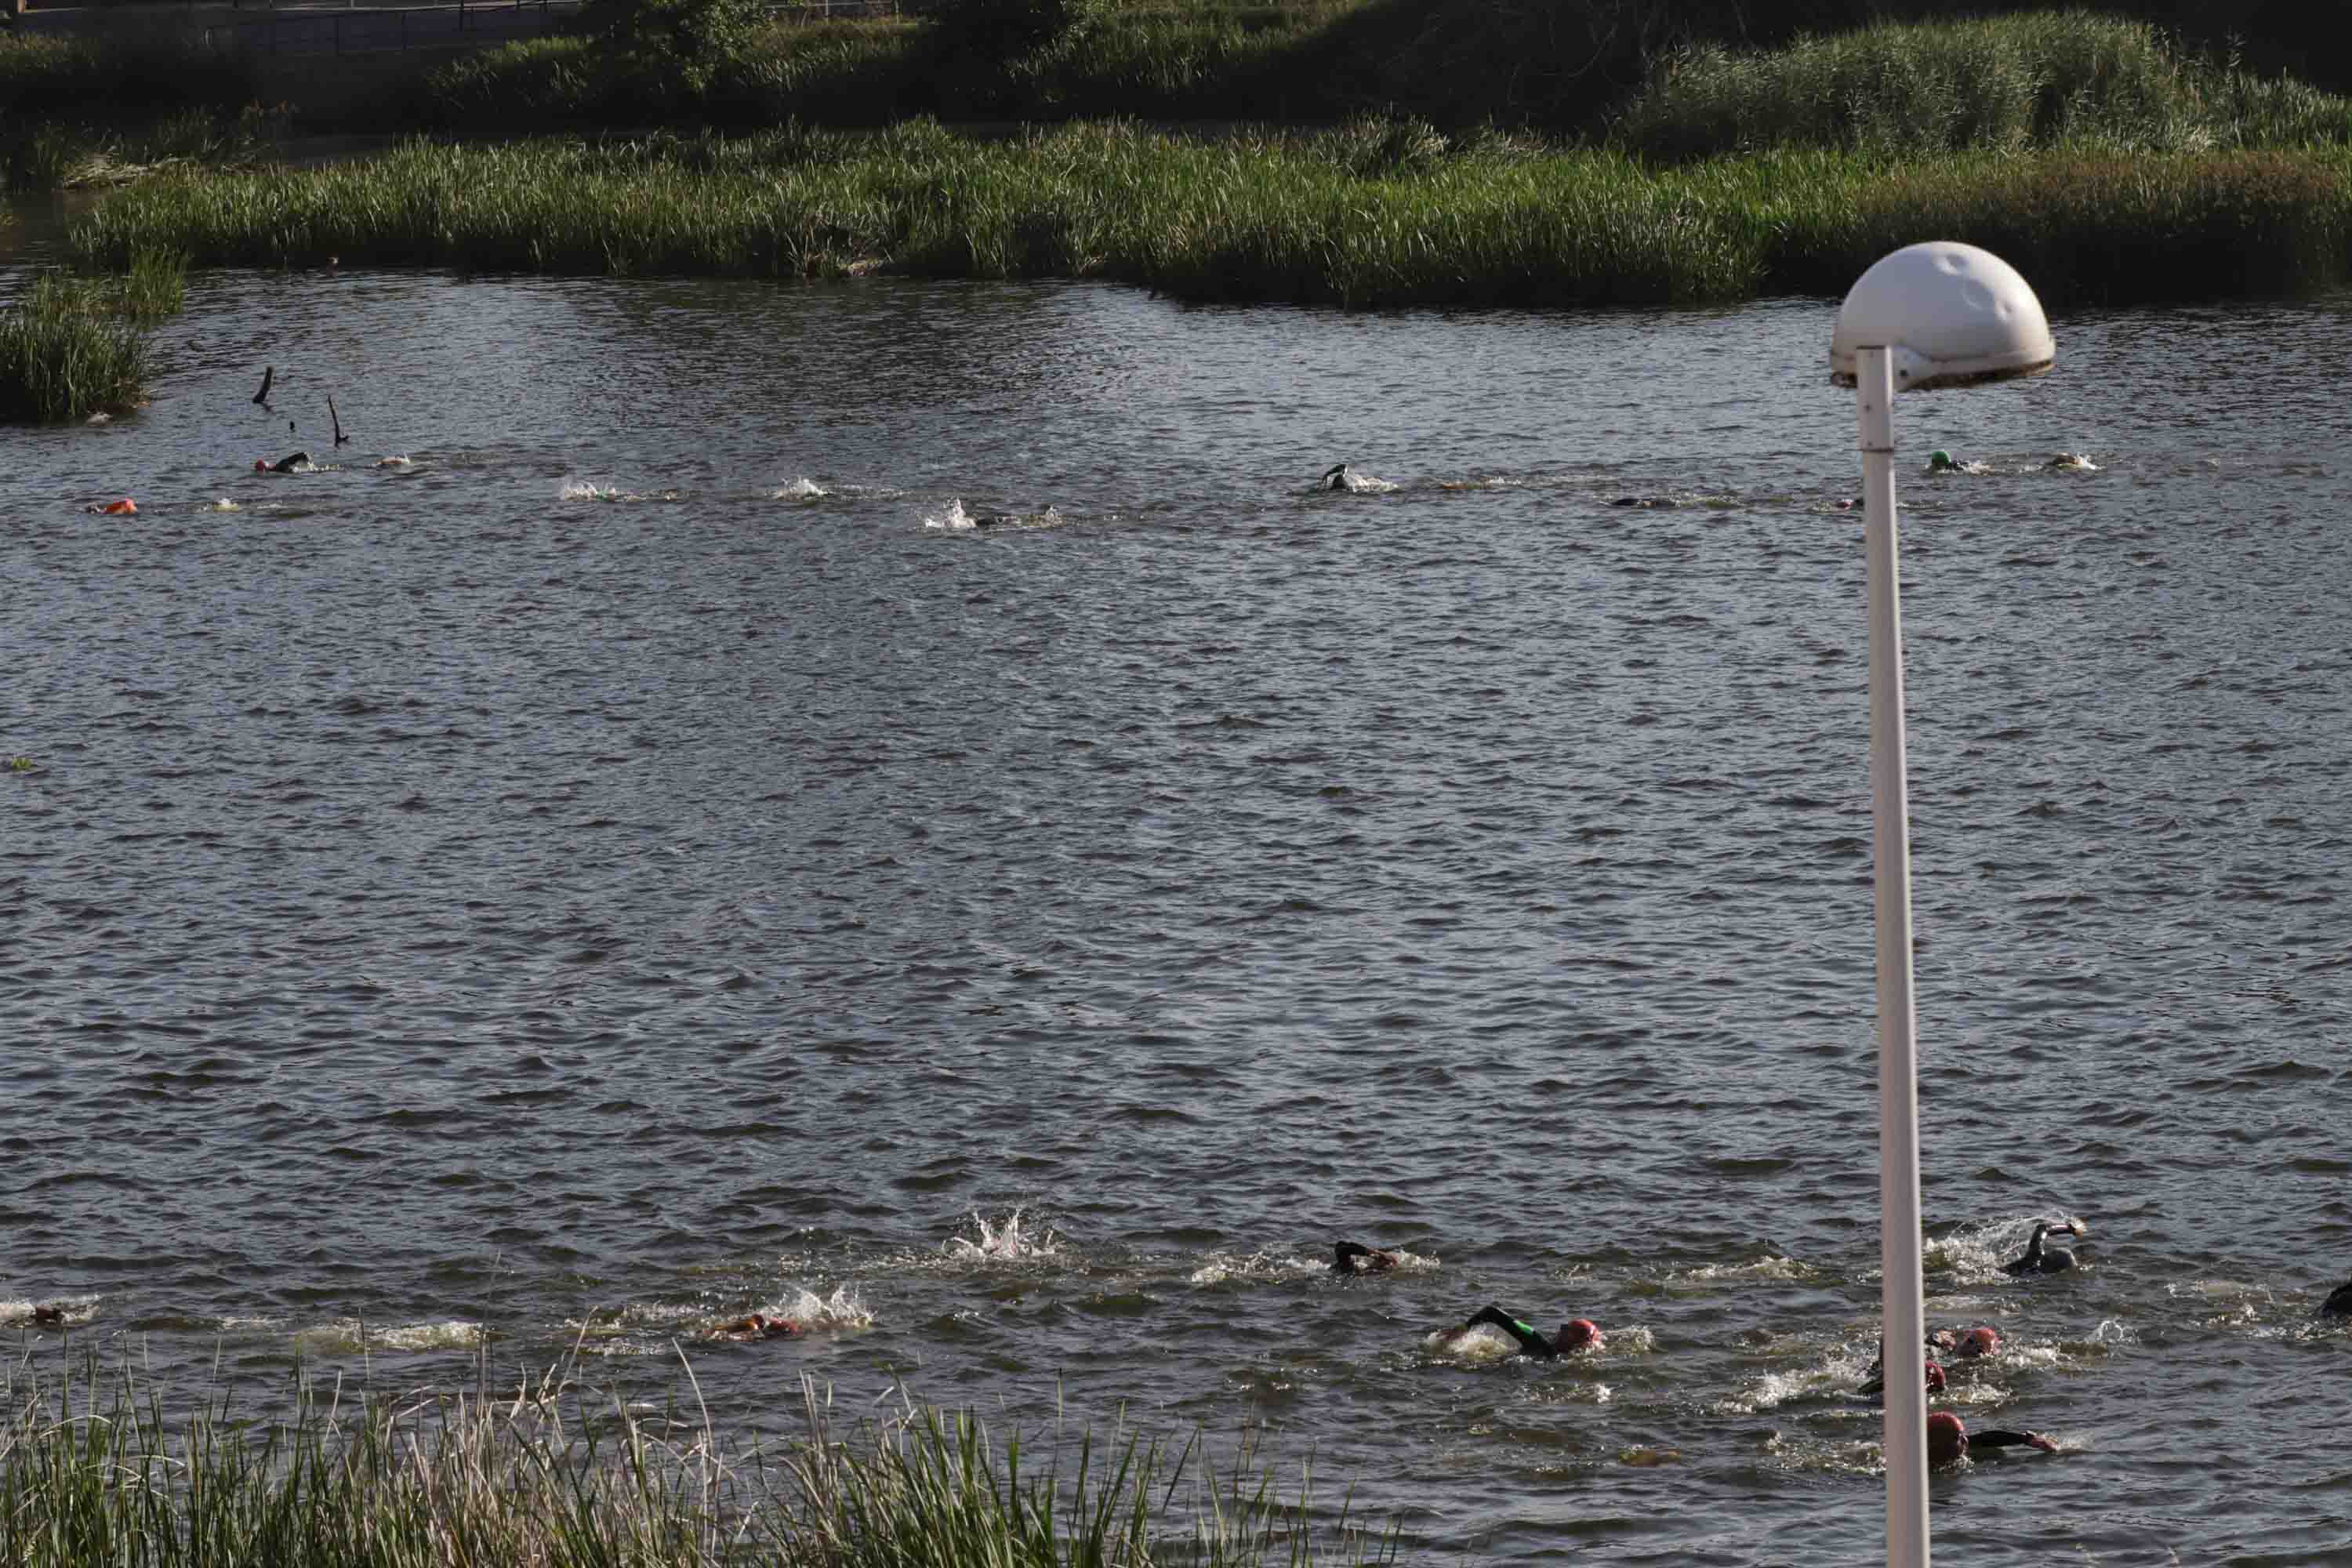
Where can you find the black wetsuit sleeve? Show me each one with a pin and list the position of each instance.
(2002, 1437)
(1530, 1342)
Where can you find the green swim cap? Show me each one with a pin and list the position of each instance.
(1939, 458)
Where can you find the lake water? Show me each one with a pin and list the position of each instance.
(582, 884)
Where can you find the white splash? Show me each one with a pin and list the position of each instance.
(1222, 1266)
(579, 489)
(223, 504)
(954, 520)
(348, 1334)
(1354, 483)
(1005, 1242)
(1480, 1344)
(841, 1309)
(395, 460)
(1772, 1265)
(803, 488)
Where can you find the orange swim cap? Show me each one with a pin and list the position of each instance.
(117, 508)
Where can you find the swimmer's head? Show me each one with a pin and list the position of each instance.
(1947, 1439)
(1979, 1342)
(1934, 1378)
(260, 466)
(1939, 458)
(1582, 1333)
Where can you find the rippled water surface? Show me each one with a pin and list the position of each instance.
(648, 859)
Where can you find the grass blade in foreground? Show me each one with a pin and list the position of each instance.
(91, 1472)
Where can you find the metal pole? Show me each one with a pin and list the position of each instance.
(1903, 1314)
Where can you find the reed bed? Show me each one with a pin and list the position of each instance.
(74, 346)
(90, 1472)
(1377, 213)
(2073, 79)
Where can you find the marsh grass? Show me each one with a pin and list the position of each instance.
(91, 1471)
(2049, 80)
(71, 347)
(1367, 214)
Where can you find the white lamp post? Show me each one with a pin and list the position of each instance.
(1940, 314)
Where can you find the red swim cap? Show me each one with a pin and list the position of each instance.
(1979, 1342)
(1934, 1378)
(260, 467)
(1947, 1440)
(1579, 1333)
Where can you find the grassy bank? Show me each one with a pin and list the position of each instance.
(1376, 214)
(1680, 78)
(71, 347)
(79, 111)
(2040, 79)
(92, 1474)
(2051, 80)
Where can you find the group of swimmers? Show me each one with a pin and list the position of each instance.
(1949, 1439)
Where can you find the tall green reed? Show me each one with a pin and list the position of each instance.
(71, 347)
(93, 1469)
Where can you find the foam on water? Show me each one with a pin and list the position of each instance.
(349, 1335)
(1223, 1268)
(1003, 1242)
(955, 520)
(802, 489)
(844, 1308)
(1769, 1266)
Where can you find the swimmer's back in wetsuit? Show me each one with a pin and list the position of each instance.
(1530, 1341)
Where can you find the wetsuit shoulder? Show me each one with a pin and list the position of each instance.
(1530, 1342)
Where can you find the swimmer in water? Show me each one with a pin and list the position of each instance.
(2039, 1260)
(2338, 1303)
(48, 1312)
(1965, 1344)
(292, 463)
(1576, 1334)
(1876, 1384)
(1335, 478)
(1940, 462)
(759, 1326)
(1354, 1258)
(1949, 1441)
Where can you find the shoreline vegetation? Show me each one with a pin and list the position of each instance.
(2107, 163)
(72, 346)
(93, 1472)
(1373, 215)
